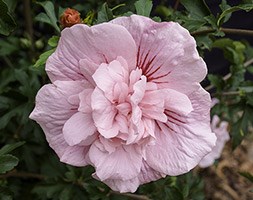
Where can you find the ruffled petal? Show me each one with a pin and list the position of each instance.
(103, 114)
(123, 164)
(148, 174)
(52, 110)
(183, 141)
(101, 43)
(165, 50)
(122, 186)
(177, 102)
(78, 128)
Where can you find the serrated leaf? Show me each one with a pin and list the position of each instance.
(198, 9)
(7, 23)
(143, 7)
(7, 163)
(43, 58)
(245, 7)
(10, 147)
(49, 8)
(53, 41)
(105, 14)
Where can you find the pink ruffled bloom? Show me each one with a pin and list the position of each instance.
(125, 98)
(220, 128)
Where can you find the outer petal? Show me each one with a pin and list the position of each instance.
(52, 110)
(123, 164)
(183, 141)
(99, 44)
(164, 51)
(122, 186)
(148, 174)
(78, 128)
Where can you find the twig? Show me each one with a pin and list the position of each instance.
(24, 175)
(227, 76)
(132, 196)
(230, 93)
(225, 30)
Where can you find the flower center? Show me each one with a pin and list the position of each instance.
(124, 104)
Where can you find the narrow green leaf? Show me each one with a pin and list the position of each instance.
(43, 58)
(7, 163)
(246, 7)
(10, 147)
(49, 8)
(224, 6)
(143, 7)
(7, 23)
(247, 175)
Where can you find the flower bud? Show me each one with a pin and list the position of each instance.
(70, 17)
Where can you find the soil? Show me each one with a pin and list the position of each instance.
(223, 181)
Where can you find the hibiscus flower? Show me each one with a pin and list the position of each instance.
(125, 98)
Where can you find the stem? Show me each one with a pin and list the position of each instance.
(24, 175)
(176, 4)
(225, 30)
(227, 76)
(132, 196)
(29, 22)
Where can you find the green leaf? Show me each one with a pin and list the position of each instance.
(7, 23)
(247, 175)
(53, 41)
(7, 163)
(250, 69)
(43, 58)
(105, 14)
(197, 9)
(49, 191)
(233, 50)
(143, 7)
(10, 147)
(216, 81)
(240, 128)
(224, 6)
(43, 17)
(228, 11)
(89, 18)
(5, 193)
(49, 8)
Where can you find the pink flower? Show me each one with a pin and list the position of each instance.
(125, 98)
(220, 128)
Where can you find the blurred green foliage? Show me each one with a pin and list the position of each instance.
(32, 171)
